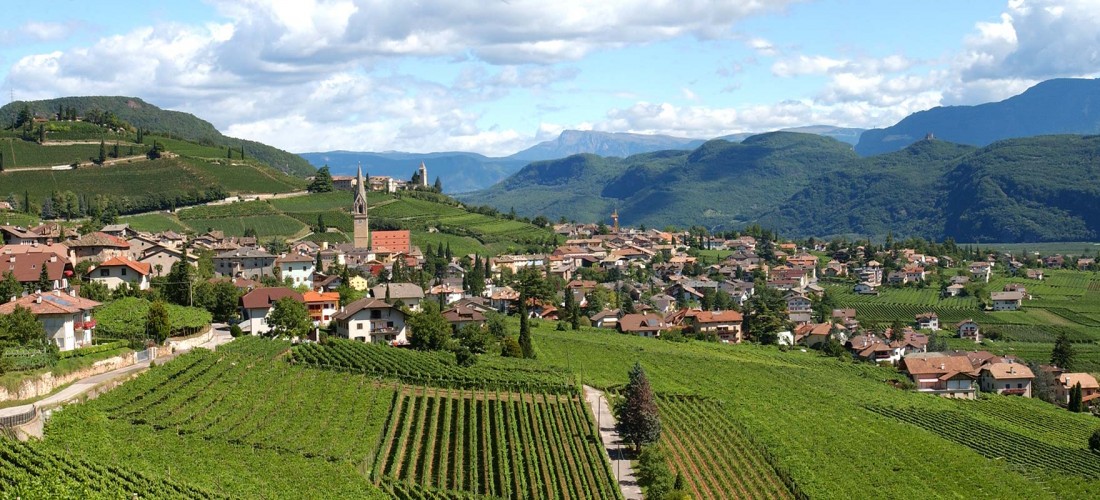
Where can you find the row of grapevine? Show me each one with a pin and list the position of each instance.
(997, 442)
(511, 445)
(27, 471)
(1061, 428)
(241, 400)
(431, 369)
(718, 459)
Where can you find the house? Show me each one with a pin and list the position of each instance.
(503, 298)
(119, 230)
(1006, 378)
(372, 320)
(1034, 274)
(459, 317)
(607, 318)
(981, 271)
(16, 235)
(408, 293)
(248, 262)
(968, 329)
(450, 292)
(66, 319)
(27, 268)
(390, 242)
(98, 247)
(296, 268)
(642, 325)
(1054, 261)
(873, 349)
(1090, 389)
(115, 271)
(161, 259)
(321, 306)
(865, 288)
(1007, 301)
(928, 321)
(811, 335)
(1016, 287)
(953, 290)
(725, 324)
(799, 308)
(1085, 263)
(941, 374)
(256, 306)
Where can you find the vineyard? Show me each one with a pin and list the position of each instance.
(29, 471)
(511, 445)
(735, 466)
(997, 442)
(804, 412)
(261, 405)
(125, 319)
(431, 369)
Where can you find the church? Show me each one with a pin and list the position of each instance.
(377, 246)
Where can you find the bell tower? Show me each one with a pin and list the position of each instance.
(359, 212)
(615, 219)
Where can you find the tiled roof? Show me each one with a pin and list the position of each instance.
(50, 303)
(141, 267)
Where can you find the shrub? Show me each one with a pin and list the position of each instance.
(235, 331)
(1094, 441)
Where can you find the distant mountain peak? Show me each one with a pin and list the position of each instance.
(1059, 106)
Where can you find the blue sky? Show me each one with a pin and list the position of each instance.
(495, 77)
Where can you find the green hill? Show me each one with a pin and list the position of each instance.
(188, 174)
(433, 219)
(719, 184)
(163, 122)
(1018, 190)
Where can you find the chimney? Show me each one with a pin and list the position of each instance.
(324, 245)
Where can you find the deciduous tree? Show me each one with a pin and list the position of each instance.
(288, 319)
(429, 330)
(1063, 353)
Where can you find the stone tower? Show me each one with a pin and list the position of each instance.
(359, 212)
(423, 171)
(615, 219)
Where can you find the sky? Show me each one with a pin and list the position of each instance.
(495, 77)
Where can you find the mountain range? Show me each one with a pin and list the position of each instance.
(1060, 106)
(175, 124)
(462, 172)
(1043, 188)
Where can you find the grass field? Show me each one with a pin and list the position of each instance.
(154, 223)
(23, 154)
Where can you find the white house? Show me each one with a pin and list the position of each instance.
(118, 270)
(66, 319)
(297, 268)
(1007, 301)
(371, 320)
(928, 321)
(1007, 378)
(968, 329)
(256, 306)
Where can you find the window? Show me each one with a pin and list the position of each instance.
(1020, 386)
(104, 272)
(124, 271)
(359, 326)
(375, 314)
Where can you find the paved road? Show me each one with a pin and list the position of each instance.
(613, 444)
(77, 388)
(74, 390)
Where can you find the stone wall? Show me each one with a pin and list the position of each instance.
(47, 382)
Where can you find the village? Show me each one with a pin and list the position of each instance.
(642, 282)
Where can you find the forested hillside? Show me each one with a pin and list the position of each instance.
(1019, 190)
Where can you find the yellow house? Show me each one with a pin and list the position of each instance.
(358, 282)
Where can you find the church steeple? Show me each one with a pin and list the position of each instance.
(359, 212)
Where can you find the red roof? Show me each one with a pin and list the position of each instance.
(50, 303)
(99, 240)
(312, 297)
(141, 267)
(262, 298)
(28, 266)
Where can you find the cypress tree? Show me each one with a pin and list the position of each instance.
(102, 153)
(639, 422)
(44, 284)
(1063, 353)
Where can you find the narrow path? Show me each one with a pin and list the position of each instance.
(613, 444)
